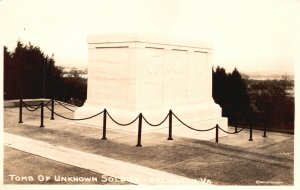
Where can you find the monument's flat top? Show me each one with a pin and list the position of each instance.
(147, 38)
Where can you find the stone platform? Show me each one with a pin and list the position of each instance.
(233, 161)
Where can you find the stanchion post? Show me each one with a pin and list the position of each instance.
(217, 133)
(250, 139)
(265, 131)
(104, 125)
(20, 111)
(52, 109)
(42, 114)
(140, 131)
(235, 131)
(170, 125)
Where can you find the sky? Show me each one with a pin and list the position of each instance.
(251, 35)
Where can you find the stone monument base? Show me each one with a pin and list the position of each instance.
(200, 116)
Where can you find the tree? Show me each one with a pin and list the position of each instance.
(273, 103)
(30, 61)
(8, 72)
(29, 72)
(219, 86)
(230, 92)
(238, 96)
(76, 87)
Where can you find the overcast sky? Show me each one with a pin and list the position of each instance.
(252, 35)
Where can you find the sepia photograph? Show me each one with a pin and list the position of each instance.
(131, 93)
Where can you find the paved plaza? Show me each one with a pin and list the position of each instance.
(233, 161)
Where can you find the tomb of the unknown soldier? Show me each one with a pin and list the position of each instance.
(132, 74)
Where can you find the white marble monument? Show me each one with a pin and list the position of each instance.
(132, 74)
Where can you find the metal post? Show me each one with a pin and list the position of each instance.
(250, 139)
(235, 131)
(217, 133)
(20, 111)
(104, 126)
(265, 131)
(140, 131)
(42, 114)
(170, 125)
(52, 109)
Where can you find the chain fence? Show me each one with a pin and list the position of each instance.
(156, 125)
(140, 119)
(64, 105)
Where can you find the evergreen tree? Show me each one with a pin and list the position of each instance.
(238, 96)
(27, 69)
(8, 74)
(230, 92)
(29, 73)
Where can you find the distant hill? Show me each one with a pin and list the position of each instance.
(269, 76)
(82, 71)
